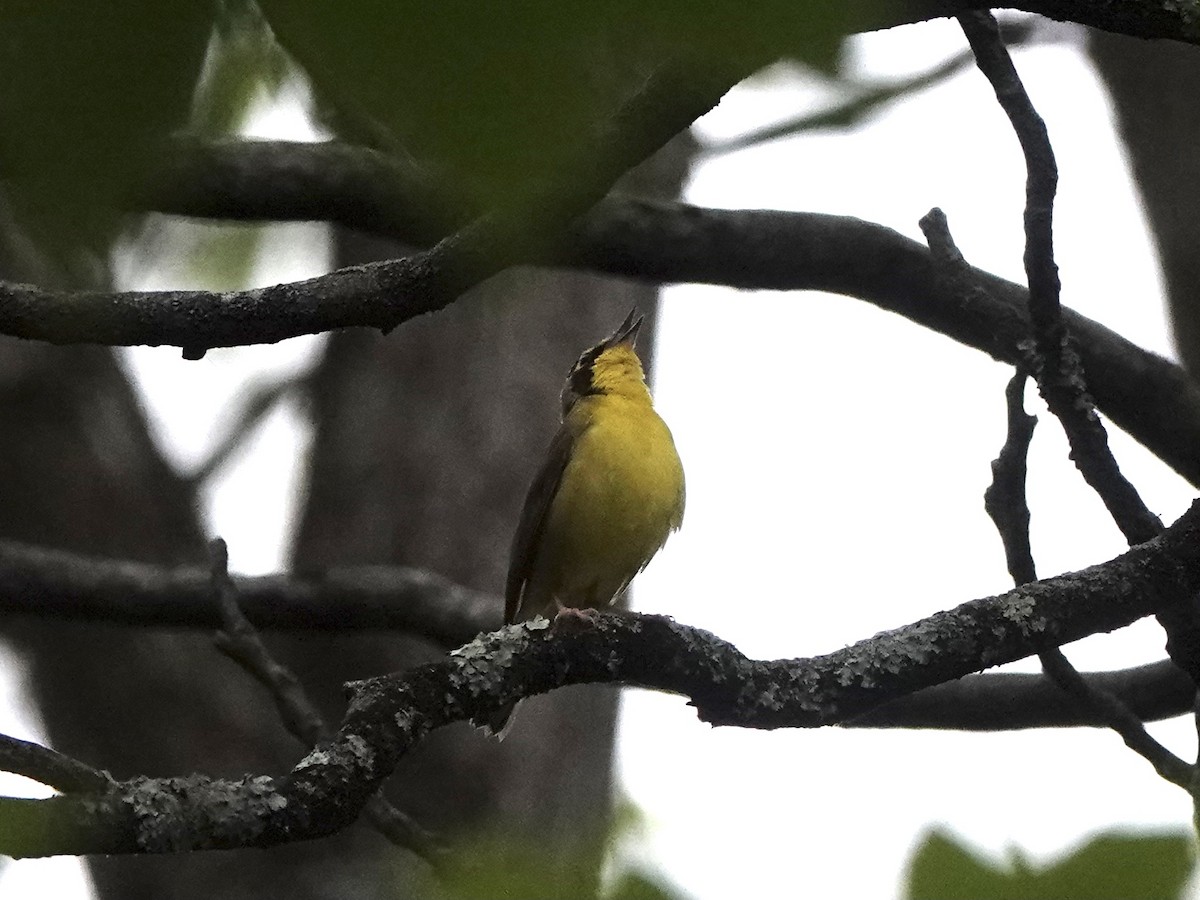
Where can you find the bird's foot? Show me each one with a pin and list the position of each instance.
(569, 618)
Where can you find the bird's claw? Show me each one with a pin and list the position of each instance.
(568, 618)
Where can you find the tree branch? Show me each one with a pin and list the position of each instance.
(1148, 396)
(380, 295)
(51, 768)
(241, 643)
(1057, 367)
(1119, 718)
(58, 584)
(1006, 504)
(1005, 701)
(1137, 18)
(251, 408)
(388, 715)
(1063, 386)
(1004, 498)
(36, 581)
(865, 98)
(1060, 376)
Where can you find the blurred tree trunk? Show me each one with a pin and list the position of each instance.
(1154, 87)
(425, 443)
(79, 470)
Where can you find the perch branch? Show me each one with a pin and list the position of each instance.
(390, 714)
(36, 581)
(241, 643)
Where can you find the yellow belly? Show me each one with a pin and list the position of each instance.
(621, 495)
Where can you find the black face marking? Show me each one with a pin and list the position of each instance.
(580, 380)
(581, 376)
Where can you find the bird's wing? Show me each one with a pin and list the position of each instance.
(534, 515)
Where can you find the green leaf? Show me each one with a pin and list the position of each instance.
(503, 867)
(638, 885)
(498, 95)
(1114, 866)
(87, 88)
(514, 867)
(222, 257)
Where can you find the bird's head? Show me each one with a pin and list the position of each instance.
(611, 367)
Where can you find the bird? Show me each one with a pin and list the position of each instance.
(608, 495)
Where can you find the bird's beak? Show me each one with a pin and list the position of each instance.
(628, 332)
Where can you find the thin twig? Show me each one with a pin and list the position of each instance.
(241, 643)
(1120, 719)
(1061, 378)
(251, 411)
(867, 97)
(1059, 372)
(51, 768)
(1004, 498)
(1005, 502)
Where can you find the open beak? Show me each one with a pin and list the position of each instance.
(628, 332)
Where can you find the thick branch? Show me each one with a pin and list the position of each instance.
(57, 584)
(37, 581)
(380, 295)
(1006, 701)
(1137, 18)
(1146, 395)
(390, 714)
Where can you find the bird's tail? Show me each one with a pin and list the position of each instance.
(496, 724)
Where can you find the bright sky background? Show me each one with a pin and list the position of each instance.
(835, 470)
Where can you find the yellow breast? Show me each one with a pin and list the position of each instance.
(620, 496)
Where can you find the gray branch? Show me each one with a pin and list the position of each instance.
(1149, 397)
(51, 768)
(1009, 701)
(390, 714)
(48, 583)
